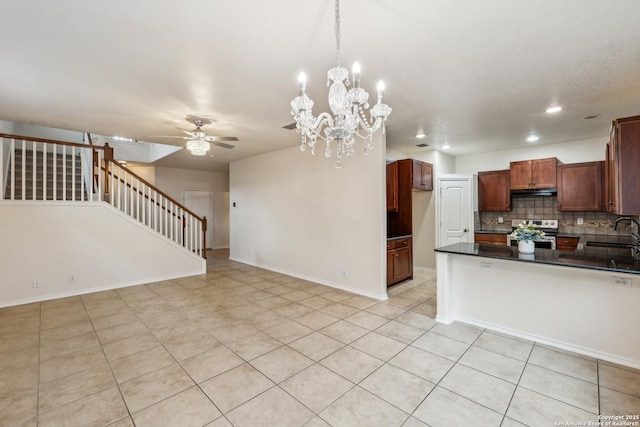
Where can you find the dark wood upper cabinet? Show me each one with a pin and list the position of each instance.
(580, 186)
(392, 187)
(533, 174)
(493, 191)
(623, 167)
(422, 175)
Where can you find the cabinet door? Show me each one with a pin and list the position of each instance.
(493, 191)
(427, 176)
(543, 173)
(402, 266)
(391, 255)
(422, 175)
(392, 187)
(580, 186)
(520, 175)
(626, 148)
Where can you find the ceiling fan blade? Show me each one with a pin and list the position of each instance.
(212, 138)
(223, 145)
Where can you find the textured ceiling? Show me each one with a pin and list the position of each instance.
(475, 74)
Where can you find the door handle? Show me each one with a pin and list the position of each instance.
(465, 230)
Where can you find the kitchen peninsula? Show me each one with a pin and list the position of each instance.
(582, 301)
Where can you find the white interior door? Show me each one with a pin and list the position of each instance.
(201, 203)
(455, 211)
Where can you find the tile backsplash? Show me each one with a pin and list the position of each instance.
(546, 207)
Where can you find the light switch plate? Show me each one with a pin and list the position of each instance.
(579, 221)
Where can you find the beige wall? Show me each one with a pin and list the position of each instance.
(295, 213)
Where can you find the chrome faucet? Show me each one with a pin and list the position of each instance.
(635, 252)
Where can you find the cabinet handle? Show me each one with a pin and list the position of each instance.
(397, 255)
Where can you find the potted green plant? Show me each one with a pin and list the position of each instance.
(525, 234)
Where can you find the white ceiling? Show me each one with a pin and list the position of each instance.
(478, 74)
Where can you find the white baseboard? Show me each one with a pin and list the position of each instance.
(85, 291)
(554, 343)
(380, 297)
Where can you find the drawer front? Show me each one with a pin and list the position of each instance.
(567, 243)
(403, 243)
(492, 239)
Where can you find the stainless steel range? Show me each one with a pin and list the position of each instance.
(549, 226)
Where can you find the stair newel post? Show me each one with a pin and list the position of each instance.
(204, 237)
(184, 227)
(108, 158)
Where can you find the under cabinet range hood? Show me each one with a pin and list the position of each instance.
(534, 192)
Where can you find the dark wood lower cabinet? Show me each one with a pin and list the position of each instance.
(399, 260)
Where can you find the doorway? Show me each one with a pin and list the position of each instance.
(455, 209)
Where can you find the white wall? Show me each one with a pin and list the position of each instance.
(97, 244)
(589, 150)
(295, 213)
(175, 182)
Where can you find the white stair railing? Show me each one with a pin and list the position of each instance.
(33, 169)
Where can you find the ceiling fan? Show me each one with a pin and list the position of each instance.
(199, 138)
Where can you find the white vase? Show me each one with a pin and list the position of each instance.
(526, 246)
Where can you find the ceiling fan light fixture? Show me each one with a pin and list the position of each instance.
(198, 147)
(554, 109)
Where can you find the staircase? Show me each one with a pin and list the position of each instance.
(39, 183)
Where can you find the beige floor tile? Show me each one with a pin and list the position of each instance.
(220, 422)
(337, 295)
(235, 387)
(534, 409)
(19, 406)
(18, 359)
(119, 332)
(281, 363)
(266, 320)
(316, 346)
(506, 346)
(288, 331)
(59, 317)
(479, 387)
(114, 320)
(185, 340)
(345, 332)
(73, 387)
(316, 387)
(317, 422)
(440, 345)
(359, 407)
(379, 346)
(316, 302)
(414, 422)
(18, 342)
(211, 363)
(494, 364)
(400, 331)
(101, 408)
(615, 403)
(620, 379)
(296, 296)
(249, 310)
(68, 302)
(153, 387)
(316, 319)
(67, 331)
(233, 332)
(60, 347)
(278, 289)
(124, 422)
(293, 310)
(273, 302)
(137, 364)
(422, 363)
(110, 310)
(397, 387)
(271, 408)
(444, 408)
(254, 345)
(561, 387)
(359, 302)
(18, 380)
(33, 308)
(60, 366)
(339, 310)
(563, 363)
(352, 364)
(128, 346)
(386, 310)
(457, 331)
(367, 320)
(417, 320)
(190, 408)
(508, 422)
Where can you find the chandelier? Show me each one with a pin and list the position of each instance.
(198, 147)
(348, 108)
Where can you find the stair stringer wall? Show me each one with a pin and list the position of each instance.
(92, 241)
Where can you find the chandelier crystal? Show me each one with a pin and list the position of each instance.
(348, 107)
(198, 147)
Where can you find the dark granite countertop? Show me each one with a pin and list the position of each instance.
(614, 260)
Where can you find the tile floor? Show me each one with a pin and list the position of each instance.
(241, 346)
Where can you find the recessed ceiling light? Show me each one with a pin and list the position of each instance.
(532, 138)
(421, 135)
(446, 146)
(593, 116)
(554, 109)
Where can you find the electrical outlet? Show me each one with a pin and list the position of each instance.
(621, 281)
(486, 265)
(72, 278)
(344, 274)
(500, 220)
(36, 283)
(579, 221)
(580, 246)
